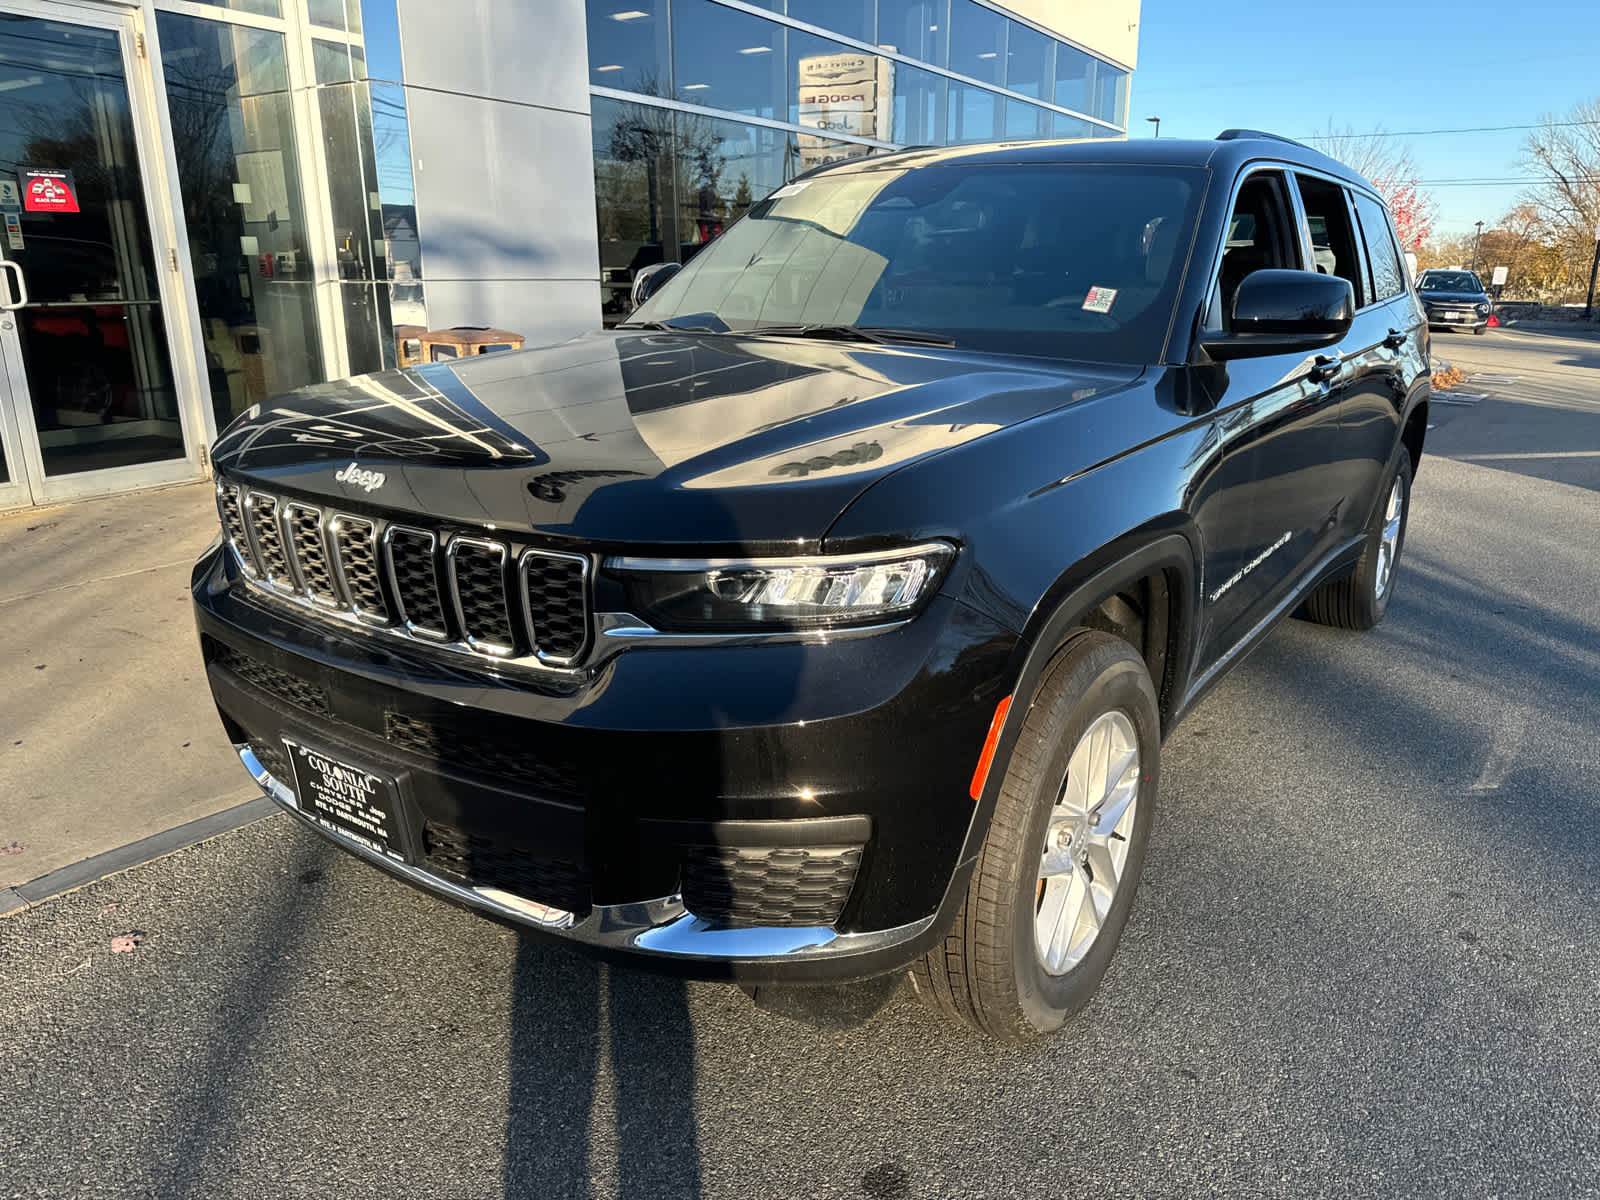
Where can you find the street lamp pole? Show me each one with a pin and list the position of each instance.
(1157, 122)
(1475, 242)
(1588, 308)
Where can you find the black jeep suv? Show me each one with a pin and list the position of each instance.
(826, 619)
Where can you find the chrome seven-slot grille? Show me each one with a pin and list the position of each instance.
(461, 590)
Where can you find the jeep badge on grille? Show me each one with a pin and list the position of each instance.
(364, 479)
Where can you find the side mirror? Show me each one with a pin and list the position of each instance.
(1284, 312)
(652, 279)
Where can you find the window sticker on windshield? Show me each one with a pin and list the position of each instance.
(1099, 300)
(791, 189)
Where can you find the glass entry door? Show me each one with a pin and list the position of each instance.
(88, 395)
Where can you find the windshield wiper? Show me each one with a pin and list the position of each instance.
(668, 327)
(879, 334)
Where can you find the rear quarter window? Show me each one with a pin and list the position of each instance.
(1388, 276)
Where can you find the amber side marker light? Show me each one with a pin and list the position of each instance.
(981, 775)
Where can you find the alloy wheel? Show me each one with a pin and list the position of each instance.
(1086, 843)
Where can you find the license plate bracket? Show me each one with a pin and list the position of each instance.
(347, 799)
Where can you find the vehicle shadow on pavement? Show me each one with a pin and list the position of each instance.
(592, 1049)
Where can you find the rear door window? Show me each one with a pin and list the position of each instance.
(1333, 240)
(1388, 276)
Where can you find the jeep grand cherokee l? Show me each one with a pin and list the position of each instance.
(825, 620)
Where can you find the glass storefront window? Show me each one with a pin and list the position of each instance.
(1088, 85)
(239, 183)
(1025, 122)
(635, 198)
(1030, 61)
(335, 14)
(628, 46)
(974, 114)
(727, 59)
(847, 18)
(917, 28)
(977, 41)
(667, 183)
(1072, 127)
(261, 8)
(919, 106)
(836, 88)
(1074, 72)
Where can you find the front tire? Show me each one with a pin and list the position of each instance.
(1359, 599)
(1055, 880)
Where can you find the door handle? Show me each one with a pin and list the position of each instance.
(1325, 366)
(1396, 339)
(22, 286)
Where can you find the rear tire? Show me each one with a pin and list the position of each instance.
(1055, 880)
(1359, 599)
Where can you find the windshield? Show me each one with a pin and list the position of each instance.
(1449, 281)
(1052, 259)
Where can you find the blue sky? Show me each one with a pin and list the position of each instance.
(1291, 66)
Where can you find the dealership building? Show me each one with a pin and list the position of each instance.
(207, 204)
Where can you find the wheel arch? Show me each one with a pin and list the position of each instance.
(1077, 602)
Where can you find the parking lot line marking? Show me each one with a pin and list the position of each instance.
(1528, 454)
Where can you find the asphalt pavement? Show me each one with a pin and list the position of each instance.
(1362, 962)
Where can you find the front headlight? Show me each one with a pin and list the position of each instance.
(768, 594)
(1483, 310)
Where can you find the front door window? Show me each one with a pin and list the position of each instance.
(89, 375)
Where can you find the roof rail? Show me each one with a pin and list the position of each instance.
(1234, 135)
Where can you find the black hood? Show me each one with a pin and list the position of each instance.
(627, 438)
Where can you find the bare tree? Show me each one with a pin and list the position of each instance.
(1565, 154)
(1386, 162)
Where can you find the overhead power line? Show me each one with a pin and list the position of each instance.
(1379, 133)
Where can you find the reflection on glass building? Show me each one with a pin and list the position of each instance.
(209, 204)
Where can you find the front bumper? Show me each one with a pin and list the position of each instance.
(1442, 318)
(749, 749)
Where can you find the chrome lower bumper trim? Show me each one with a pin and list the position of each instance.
(660, 927)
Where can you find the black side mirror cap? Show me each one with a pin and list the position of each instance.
(652, 279)
(1284, 312)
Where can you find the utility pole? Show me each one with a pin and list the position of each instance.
(1588, 308)
(1157, 122)
(1475, 242)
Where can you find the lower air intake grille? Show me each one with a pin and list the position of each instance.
(467, 754)
(416, 585)
(490, 862)
(280, 685)
(788, 885)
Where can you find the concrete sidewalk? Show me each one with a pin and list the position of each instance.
(107, 730)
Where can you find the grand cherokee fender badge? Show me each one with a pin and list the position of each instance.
(1251, 565)
(366, 480)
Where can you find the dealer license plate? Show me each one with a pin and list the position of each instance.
(347, 799)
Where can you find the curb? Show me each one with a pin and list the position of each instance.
(135, 854)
